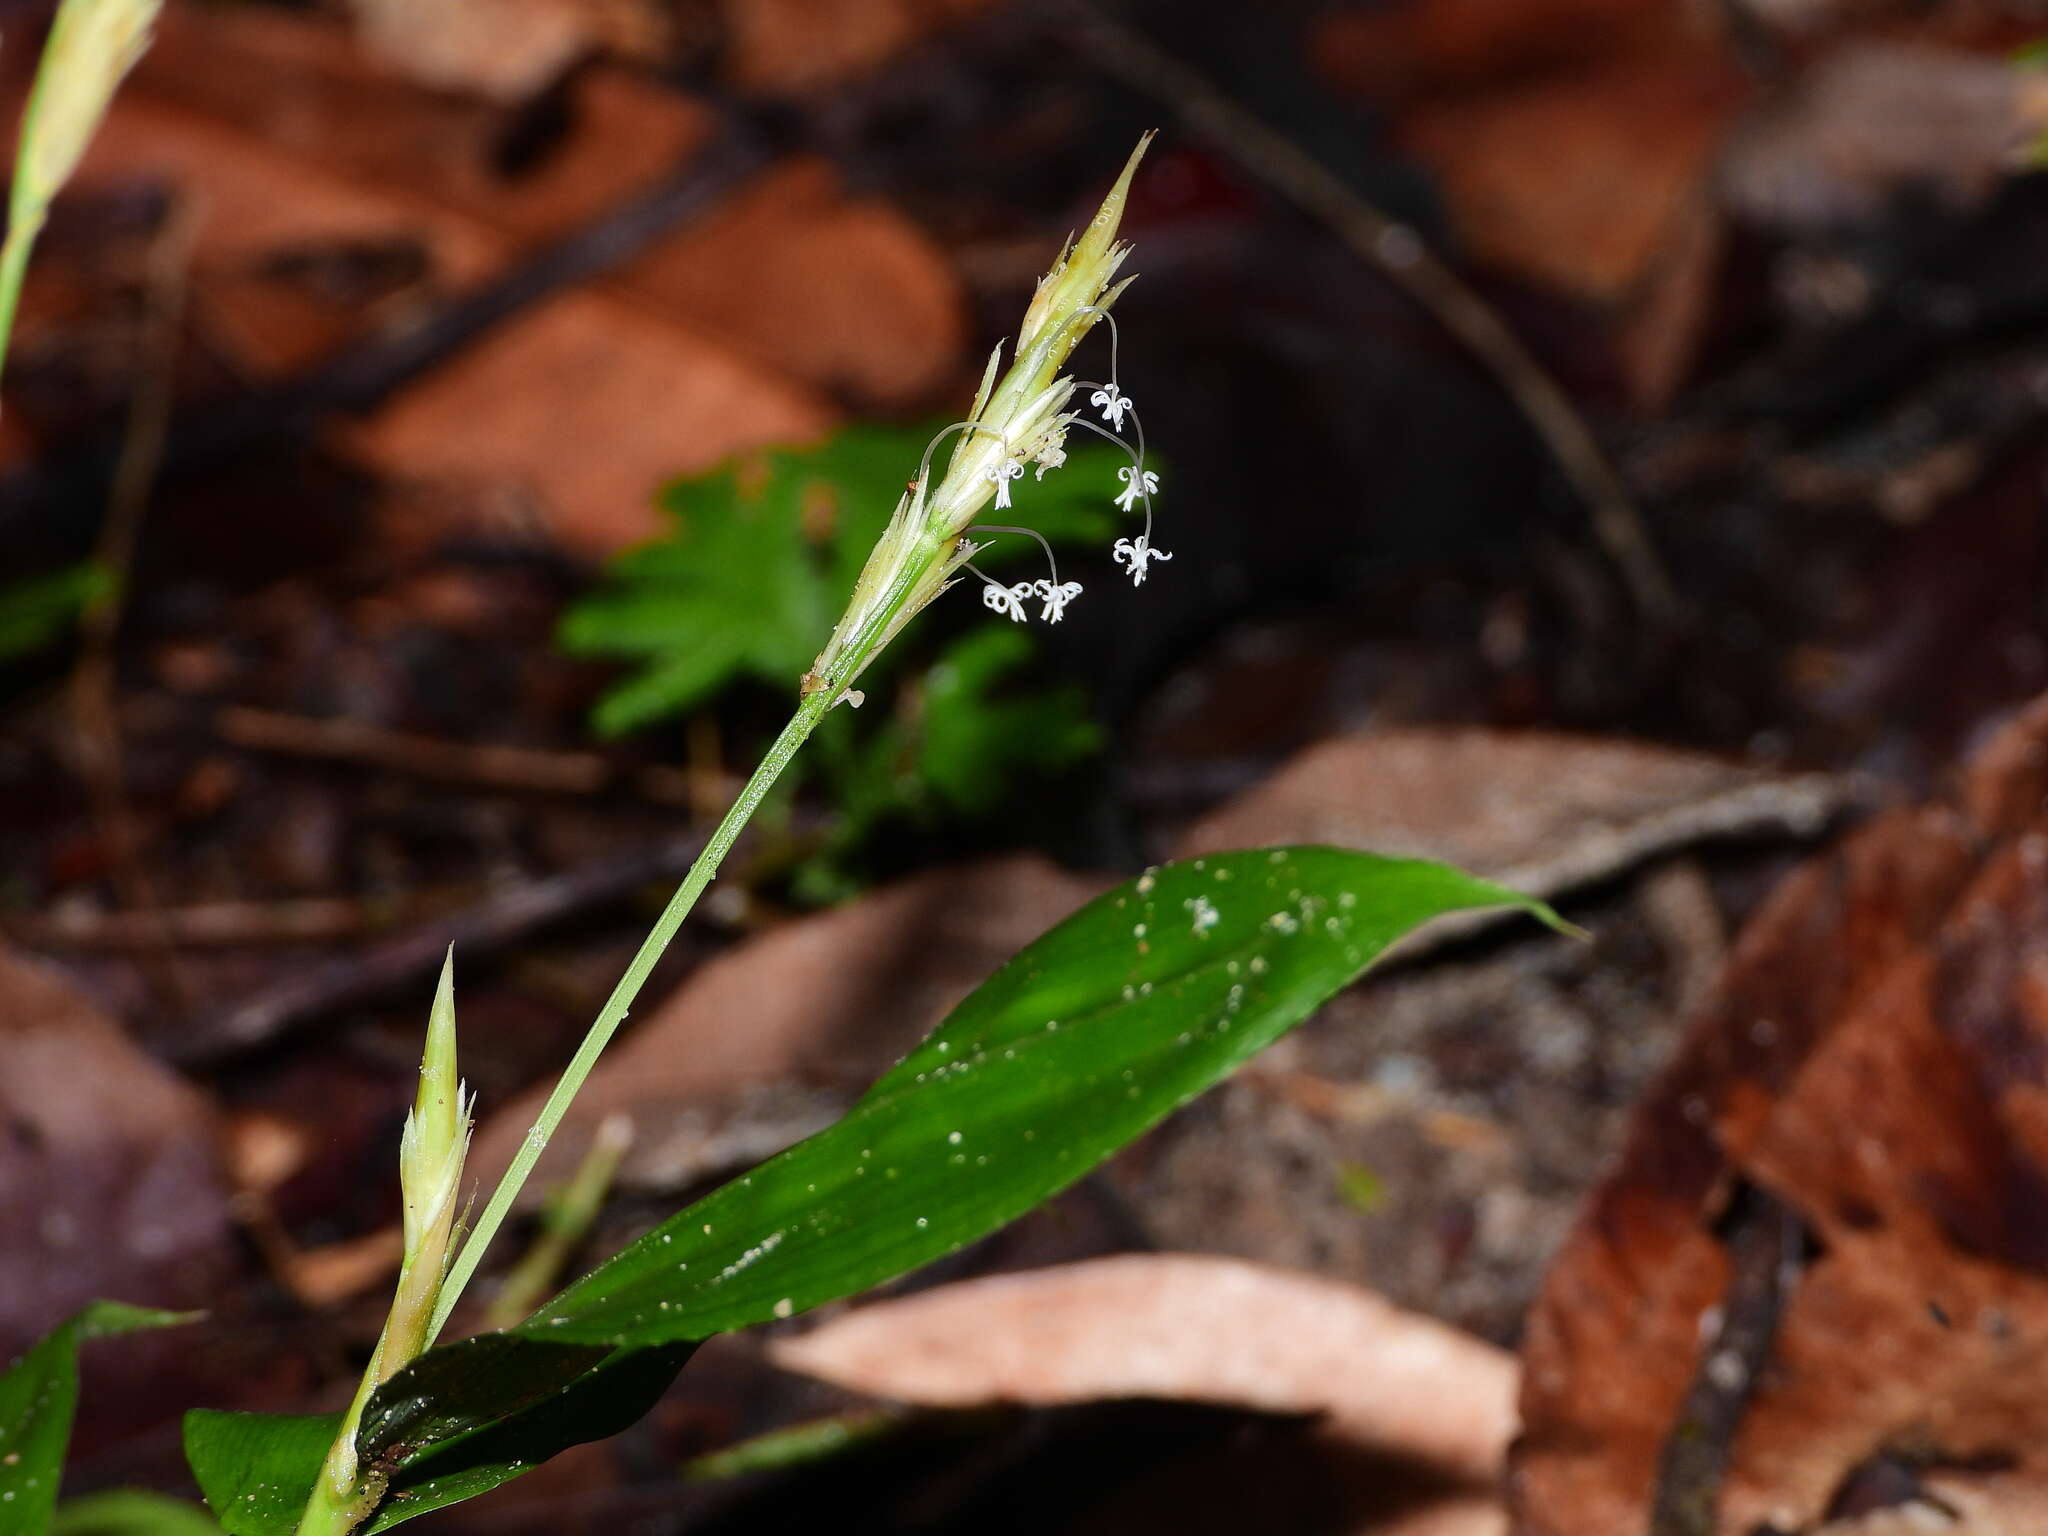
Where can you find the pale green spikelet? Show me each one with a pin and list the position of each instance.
(92, 46)
(431, 1152)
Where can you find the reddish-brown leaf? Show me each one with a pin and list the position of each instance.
(1875, 1062)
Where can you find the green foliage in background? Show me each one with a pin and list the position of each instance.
(757, 562)
(38, 1397)
(36, 612)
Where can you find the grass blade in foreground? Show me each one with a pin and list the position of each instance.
(38, 1397)
(1091, 1035)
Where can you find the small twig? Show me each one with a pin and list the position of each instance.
(1400, 253)
(405, 959)
(95, 719)
(526, 770)
(209, 925)
(1767, 1249)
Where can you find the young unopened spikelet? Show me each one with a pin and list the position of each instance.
(431, 1152)
(1020, 419)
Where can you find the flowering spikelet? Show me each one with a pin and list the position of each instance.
(1021, 417)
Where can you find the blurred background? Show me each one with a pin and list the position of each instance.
(1602, 443)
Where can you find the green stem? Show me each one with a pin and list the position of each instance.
(23, 226)
(805, 720)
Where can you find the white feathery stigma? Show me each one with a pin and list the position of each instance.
(1137, 482)
(1055, 598)
(1008, 601)
(1136, 554)
(1002, 475)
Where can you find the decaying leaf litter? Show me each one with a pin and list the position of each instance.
(456, 309)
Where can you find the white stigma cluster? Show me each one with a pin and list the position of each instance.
(1140, 485)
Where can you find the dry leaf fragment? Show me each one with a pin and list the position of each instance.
(1541, 811)
(1184, 1327)
(790, 46)
(1873, 1060)
(1876, 120)
(111, 1183)
(505, 49)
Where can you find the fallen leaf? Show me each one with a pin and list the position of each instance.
(1872, 1062)
(791, 46)
(1182, 1327)
(842, 292)
(1628, 149)
(587, 407)
(585, 403)
(337, 201)
(505, 49)
(1875, 121)
(769, 1042)
(1630, 101)
(1543, 812)
(112, 1184)
(1424, 47)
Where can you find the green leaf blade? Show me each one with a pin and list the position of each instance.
(256, 1470)
(1134, 1005)
(38, 1399)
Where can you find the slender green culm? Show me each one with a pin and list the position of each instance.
(93, 44)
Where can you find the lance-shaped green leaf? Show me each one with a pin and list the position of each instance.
(39, 1395)
(1134, 1005)
(1089, 1036)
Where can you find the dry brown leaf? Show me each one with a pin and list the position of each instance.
(1630, 101)
(844, 293)
(298, 85)
(505, 49)
(1474, 1515)
(1873, 1060)
(587, 405)
(1875, 120)
(1425, 47)
(334, 201)
(111, 1184)
(766, 1043)
(1183, 1327)
(584, 404)
(1628, 147)
(789, 46)
(1540, 811)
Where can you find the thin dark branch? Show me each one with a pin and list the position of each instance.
(406, 959)
(1401, 254)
